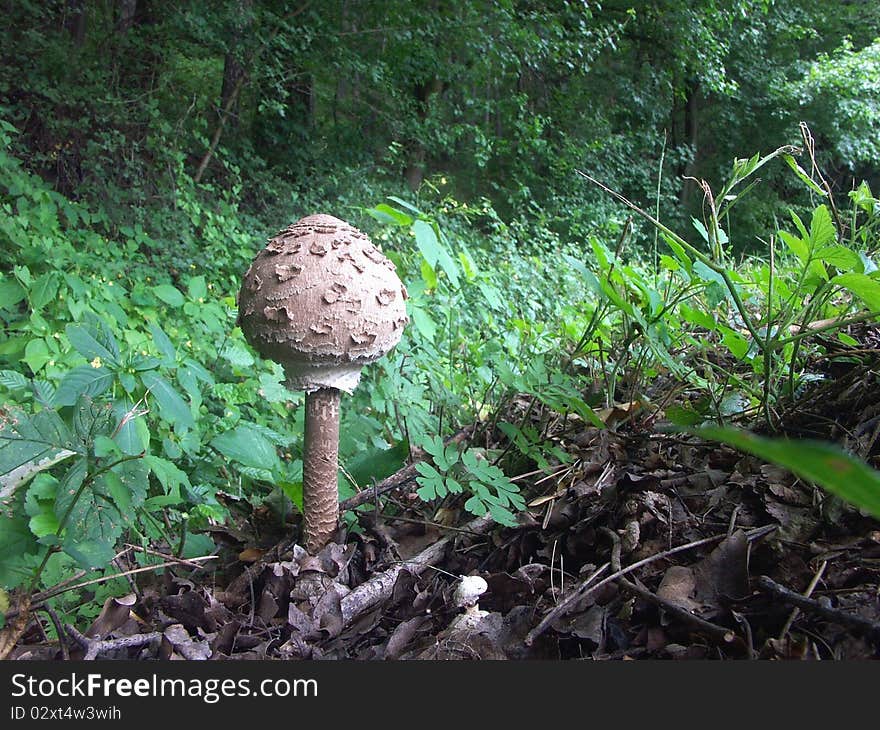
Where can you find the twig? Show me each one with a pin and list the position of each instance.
(56, 622)
(807, 593)
(811, 605)
(95, 647)
(164, 556)
(40, 598)
(719, 633)
(584, 589)
(428, 523)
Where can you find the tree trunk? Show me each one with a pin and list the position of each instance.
(75, 21)
(126, 13)
(691, 131)
(415, 169)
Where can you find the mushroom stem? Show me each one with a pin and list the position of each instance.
(320, 467)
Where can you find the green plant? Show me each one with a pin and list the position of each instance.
(456, 471)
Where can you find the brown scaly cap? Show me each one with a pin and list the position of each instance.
(323, 301)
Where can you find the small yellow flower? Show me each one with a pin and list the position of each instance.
(96, 363)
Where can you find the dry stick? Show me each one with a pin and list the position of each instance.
(56, 622)
(378, 588)
(807, 593)
(94, 647)
(811, 605)
(585, 589)
(40, 598)
(164, 556)
(719, 633)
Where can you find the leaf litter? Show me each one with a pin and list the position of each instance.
(646, 544)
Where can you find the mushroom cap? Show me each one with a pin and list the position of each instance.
(323, 301)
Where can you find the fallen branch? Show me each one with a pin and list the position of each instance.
(378, 588)
(718, 633)
(811, 605)
(95, 647)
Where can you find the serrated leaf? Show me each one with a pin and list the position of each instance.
(91, 553)
(93, 341)
(28, 445)
(172, 407)
(237, 355)
(863, 286)
(83, 380)
(44, 392)
(841, 258)
(822, 231)
(13, 380)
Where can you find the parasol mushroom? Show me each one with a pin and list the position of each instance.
(322, 301)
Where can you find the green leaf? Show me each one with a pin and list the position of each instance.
(13, 380)
(169, 294)
(797, 246)
(11, 293)
(822, 231)
(237, 355)
(93, 340)
(684, 416)
(197, 288)
(91, 554)
(83, 380)
(16, 542)
(863, 286)
(43, 290)
(802, 174)
(697, 317)
(841, 258)
(172, 407)
(409, 206)
(163, 344)
(28, 445)
(247, 446)
(376, 464)
(170, 477)
(476, 506)
(736, 343)
(384, 213)
(821, 463)
(434, 252)
(423, 323)
(36, 354)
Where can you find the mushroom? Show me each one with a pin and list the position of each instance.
(322, 301)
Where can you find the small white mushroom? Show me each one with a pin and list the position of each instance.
(468, 592)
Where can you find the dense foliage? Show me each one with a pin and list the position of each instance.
(148, 148)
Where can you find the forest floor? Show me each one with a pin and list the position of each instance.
(646, 544)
